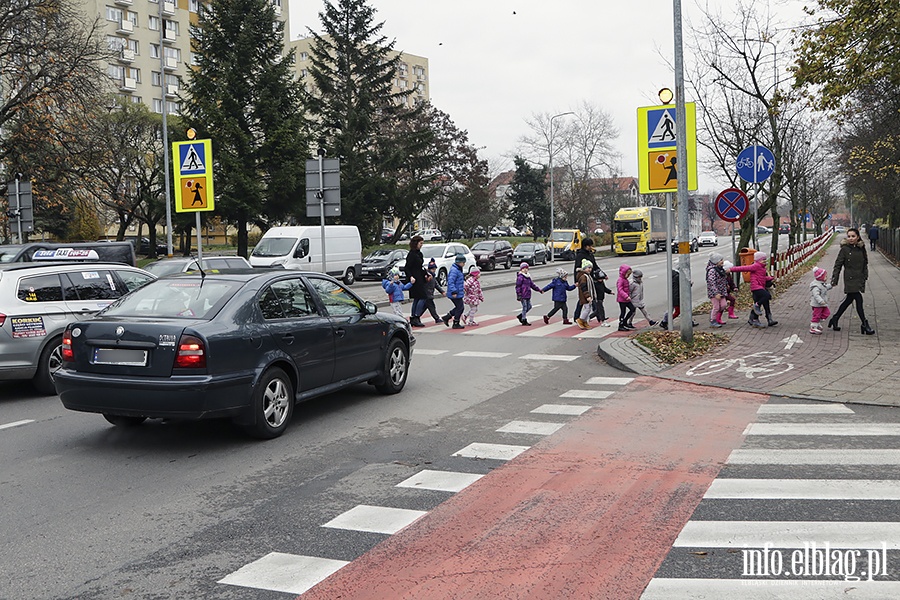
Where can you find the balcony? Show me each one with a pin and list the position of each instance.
(123, 2)
(125, 27)
(168, 9)
(169, 36)
(126, 55)
(128, 84)
(171, 90)
(171, 63)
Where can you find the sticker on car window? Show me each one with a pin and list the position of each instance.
(90, 275)
(27, 327)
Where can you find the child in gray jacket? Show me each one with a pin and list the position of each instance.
(636, 291)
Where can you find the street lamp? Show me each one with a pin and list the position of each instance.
(550, 150)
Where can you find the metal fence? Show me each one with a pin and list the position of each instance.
(889, 242)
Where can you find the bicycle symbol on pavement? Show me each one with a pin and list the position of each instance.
(758, 365)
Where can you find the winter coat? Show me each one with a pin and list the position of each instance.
(559, 287)
(455, 281)
(585, 287)
(580, 255)
(758, 275)
(676, 288)
(431, 284)
(818, 293)
(716, 280)
(473, 294)
(415, 268)
(636, 291)
(395, 290)
(873, 233)
(622, 286)
(855, 262)
(524, 285)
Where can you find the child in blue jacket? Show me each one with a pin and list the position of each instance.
(395, 288)
(560, 286)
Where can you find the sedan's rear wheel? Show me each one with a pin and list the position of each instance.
(396, 368)
(350, 276)
(48, 364)
(122, 421)
(272, 405)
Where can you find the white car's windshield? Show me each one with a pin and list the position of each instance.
(274, 246)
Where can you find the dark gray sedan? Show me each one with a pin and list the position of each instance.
(242, 345)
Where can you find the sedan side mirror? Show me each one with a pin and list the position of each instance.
(371, 309)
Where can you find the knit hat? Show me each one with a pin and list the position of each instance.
(586, 264)
(523, 265)
(432, 264)
(760, 256)
(395, 272)
(715, 257)
(561, 273)
(727, 265)
(460, 258)
(819, 273)
(475, 271)
(637, 274)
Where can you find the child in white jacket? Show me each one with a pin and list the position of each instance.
(818, 299)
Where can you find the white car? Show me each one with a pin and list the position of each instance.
(430, 235)
(708, 238)
(444, 256)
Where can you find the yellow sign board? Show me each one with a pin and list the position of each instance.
(193, 176)
(658, 169)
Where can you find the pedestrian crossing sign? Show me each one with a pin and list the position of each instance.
(657, 135)
(193, 176)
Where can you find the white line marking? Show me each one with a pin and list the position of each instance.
(561, 409)
(609, 380)
(532, 427)
(492, 451)
(16, 423)
(375, 519)
(472, 354)
(597, 331)
(780, 589)
(442, 481)
(545, 330)
(489, 329)
(594, 394)
(843, 456)
(556, 357)
(425, 352)
(843, 429)
(288, 573)
(788, 534)
(803, 409)
(804, 489)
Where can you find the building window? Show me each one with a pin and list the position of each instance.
(304, 56)
(194, 5)
(114, 14)
(114, 43)
(154, 50)
(134, 73)
(153, 24)
(173, 53)
(156, 79)
(172, 26)
(116, 72)
(133, 45)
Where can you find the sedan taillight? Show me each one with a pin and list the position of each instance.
(67, 354)
(2, 319)
(191, 353)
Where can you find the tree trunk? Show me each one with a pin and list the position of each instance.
(242, 233)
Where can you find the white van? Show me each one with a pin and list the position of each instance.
(300, 248)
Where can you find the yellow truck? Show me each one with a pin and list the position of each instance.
(564, 242)
(639, 230)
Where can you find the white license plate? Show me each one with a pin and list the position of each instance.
(120, 356)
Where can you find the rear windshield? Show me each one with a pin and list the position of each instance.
(274, 246)
(178, 297)
(9, 253)
(161, 268)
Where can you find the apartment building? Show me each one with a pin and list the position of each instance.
(152, 46)
(412, 71)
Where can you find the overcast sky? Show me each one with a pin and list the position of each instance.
(493, 63)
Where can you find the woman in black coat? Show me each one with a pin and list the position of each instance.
(855, 263)
(415, 269)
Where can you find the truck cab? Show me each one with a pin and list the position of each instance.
(564, 242)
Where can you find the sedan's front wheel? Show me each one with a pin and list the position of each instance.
(396, 368)
(272, 405)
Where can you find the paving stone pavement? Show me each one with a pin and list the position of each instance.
(844, 366)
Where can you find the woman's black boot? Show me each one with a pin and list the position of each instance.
(832, 323)
(865, 329)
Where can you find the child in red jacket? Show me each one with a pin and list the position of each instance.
(760, 281)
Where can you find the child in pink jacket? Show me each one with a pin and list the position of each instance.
(623, 297)
(760, 281)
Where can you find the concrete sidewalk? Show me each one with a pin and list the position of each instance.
(787, 360)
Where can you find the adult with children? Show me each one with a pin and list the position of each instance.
(853, 260)
(415, 273)
(598, 276)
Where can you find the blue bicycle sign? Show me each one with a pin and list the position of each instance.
(755, 164)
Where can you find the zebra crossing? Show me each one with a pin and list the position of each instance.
(298, 573)
(806, 508)
(489, 324)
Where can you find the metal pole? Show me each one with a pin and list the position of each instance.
(199, 238)
(18, 211)
(668, 276)
(165, 128)
(684, 258)
(322, 202)
(550, 150)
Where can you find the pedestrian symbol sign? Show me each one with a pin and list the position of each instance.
(193, 176)
(658, 168)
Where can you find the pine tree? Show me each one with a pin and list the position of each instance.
(243, 96)
(529, 199)
(353, 109)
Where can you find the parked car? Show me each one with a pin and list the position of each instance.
(695, 245)
(117, 252)
(840, 229)
(491, 253)
(387, 234)
(444, 256)
(183, 264)
(143, 247)
(430, 235)
(246, 346)
(377, 263)
(504, 231)
(531, 252)
(708, 238)
(37, 301)
(763, 229)
(784, 228)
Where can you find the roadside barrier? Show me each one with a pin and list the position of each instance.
(794, 256)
